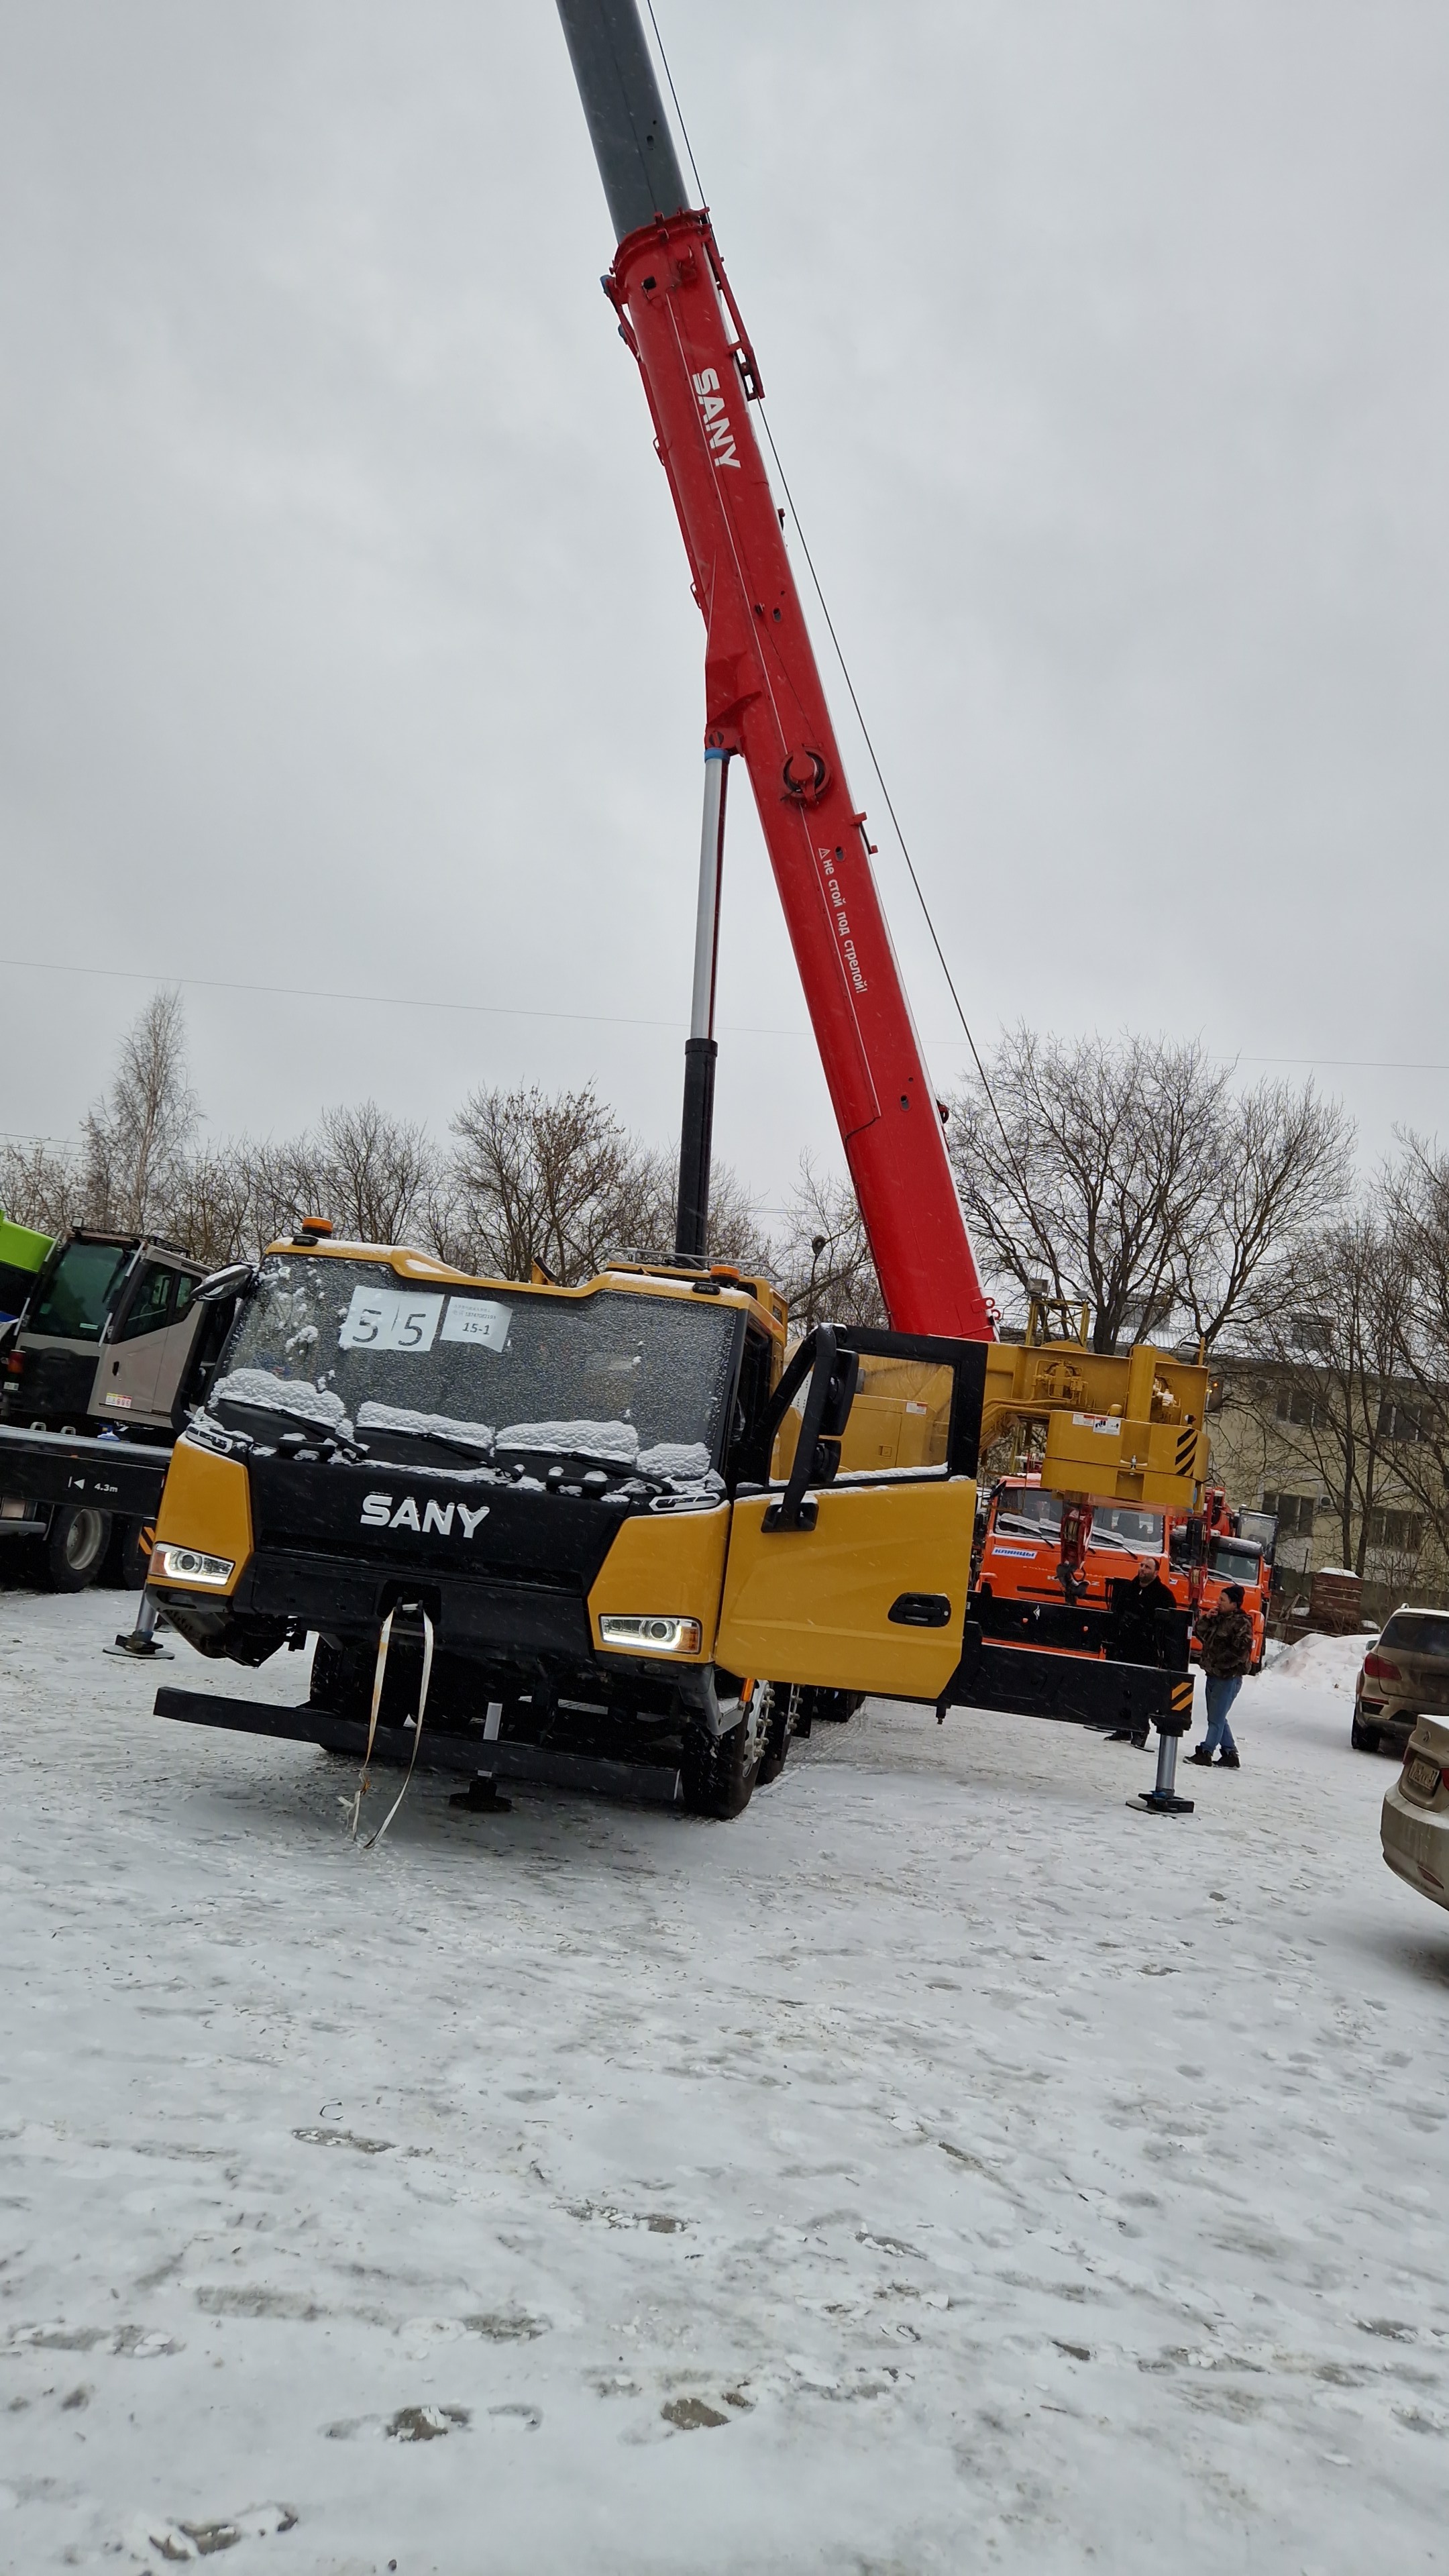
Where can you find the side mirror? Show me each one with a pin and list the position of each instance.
(234, 1281)
(833, 1381)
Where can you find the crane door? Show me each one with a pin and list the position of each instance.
(844, 1572)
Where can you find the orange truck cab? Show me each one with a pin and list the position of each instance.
(1017, 1596)
(1019, 1544)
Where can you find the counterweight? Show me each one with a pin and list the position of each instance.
(764, 699)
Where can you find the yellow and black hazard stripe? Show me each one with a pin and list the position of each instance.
(1186, 1449)
(1182, 1696)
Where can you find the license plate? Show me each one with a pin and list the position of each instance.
(1421, 1777)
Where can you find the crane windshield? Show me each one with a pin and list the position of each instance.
(629, 1381)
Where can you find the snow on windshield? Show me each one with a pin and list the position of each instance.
(681, 1458)
(295, 1396)
(616, 1443)
(373, 1416)
(624, 1379)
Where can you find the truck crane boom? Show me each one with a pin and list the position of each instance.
(765, 702)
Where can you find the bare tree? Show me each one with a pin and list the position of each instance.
(1128, 1173)
(1089, 1169)
(1281, 1170)
(824, 1264)
(1415, 1193)
(556, 1179)
(211, 1207)
(135, 1140)
(1336, 1337)
(373, 1175)
(642, 1218)
(40, 1185)
(537, 1178)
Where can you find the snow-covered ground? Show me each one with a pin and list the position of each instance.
(942, 2167)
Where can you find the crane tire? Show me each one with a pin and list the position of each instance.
(718, 1772)
(73, 1550)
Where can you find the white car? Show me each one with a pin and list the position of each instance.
(1414, 1827)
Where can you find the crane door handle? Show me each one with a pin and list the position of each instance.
(920, 1610)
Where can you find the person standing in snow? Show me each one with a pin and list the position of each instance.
(1226, 1638)
(1136, 1637)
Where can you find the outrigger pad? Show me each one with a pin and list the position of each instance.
(481, 1798)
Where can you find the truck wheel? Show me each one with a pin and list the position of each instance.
(73, 1549)
(835, 1707)
(341, 1682)
(718, 1772)
(778, 1730)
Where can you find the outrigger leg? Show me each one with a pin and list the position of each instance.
(141, 1640)
(1161, 1799)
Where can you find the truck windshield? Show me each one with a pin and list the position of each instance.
(1028, 1509)
(77, 1297)
(1239, 1562)
(629, 1381)
(1032, 1508)
(1123, 1522)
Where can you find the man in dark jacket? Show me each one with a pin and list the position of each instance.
(1226, 1638)
(1136, 1637)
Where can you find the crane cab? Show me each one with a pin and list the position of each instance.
(625, 1515)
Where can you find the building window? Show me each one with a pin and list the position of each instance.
(1399, 1422)
(1295, 1513)
(1400, 1532)
(1295, 1404)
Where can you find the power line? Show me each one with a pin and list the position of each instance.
(604, 1019)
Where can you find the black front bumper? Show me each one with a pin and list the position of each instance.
(349, 1596)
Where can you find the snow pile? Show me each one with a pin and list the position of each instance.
(1043, 2187)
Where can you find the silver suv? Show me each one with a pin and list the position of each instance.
(1405, 1674)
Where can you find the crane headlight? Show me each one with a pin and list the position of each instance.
(657, 1633)
(191, 1565)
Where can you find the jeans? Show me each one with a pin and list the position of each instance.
(1222, 1690)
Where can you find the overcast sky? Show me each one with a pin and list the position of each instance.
(345, 633)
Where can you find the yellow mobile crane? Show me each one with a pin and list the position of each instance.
(614, 1521)
(584, 1511)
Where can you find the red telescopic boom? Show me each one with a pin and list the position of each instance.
(763, 694)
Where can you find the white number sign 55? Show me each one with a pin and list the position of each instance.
(389, 1319)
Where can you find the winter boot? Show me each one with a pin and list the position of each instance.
(1201, 1756)
(1229, 1761)
(1120, 1735)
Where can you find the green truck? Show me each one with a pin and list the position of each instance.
(22, 1257)
(101, 1362)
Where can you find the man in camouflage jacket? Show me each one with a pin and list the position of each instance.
(1226, 1639)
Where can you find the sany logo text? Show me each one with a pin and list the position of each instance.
(715, 418)
(378, 1513)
